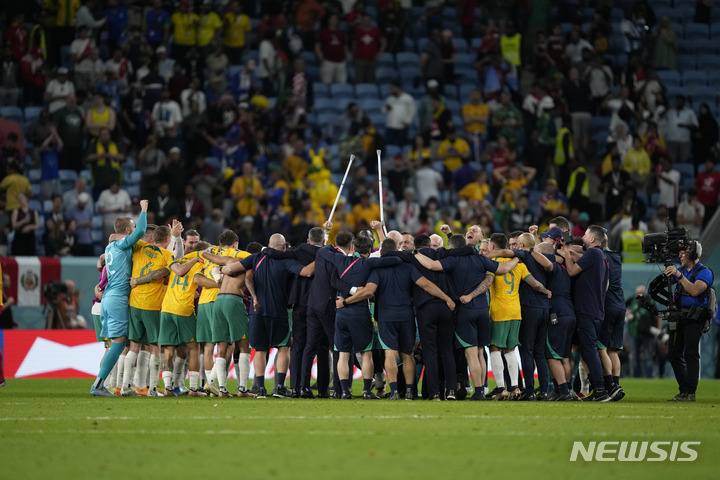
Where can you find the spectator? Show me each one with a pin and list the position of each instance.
(6, 316)
(621, 139)
(112, 89)
(39, 130)
(216, 63)
(214, 227)
(576, 92)
(637, 163)
(552, 202)
(575, 47)
(708, 187)
(173, 172)
(71, 130)
(399, 108)
(665, 54)
(368, 46)
(681, 121)
(17, 37)
(247, 191)
(631, 32)
(58, 90)
(50, 165)
(657, 223)
(431, 60)
(614, 185)
(33, 74)
(475, 115)
(121, 68)
(244, 83)
(425, 109)
(105, 162)
(332, 52)
(167, 116)
(643, 328)
(668, 184)
(691, 213)
(193, 93)
(600, 78)
(477, 191)
(453, 151)
(441, 121)
(157, 23)
(24, 222)
(165, 64)
(418, 153)
(81, 215)
(427, 182)
(507, 120)
(392, 23)
(100, 116)
(268, 64)
(193, 210)
(9, 79)
(365, 212)
(84, 17)
(632, 240)
(203, 177)
(236, 32)
(209, 28)
(464, 175)
(70, 198)
(705, 137)
(510, 44)
(164, 205)
(407, 214)
(300, 84)
(448, 50)
(622, 108)
(308, 12)
(13, 184)
(89, 71)
(703, 9)
(113, 202)
(150, 160)
(521, 217)
(10, 153)
(117, 22)
(185, 23)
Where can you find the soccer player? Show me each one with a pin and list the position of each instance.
(561, 327)
(353, 324)
(152, 263)
(589, 293)
(392, 288)
(178, 321)
(472, 277)
(505, 312)
(224, 323)
(268, 282)
(611, 331)
(114, 306)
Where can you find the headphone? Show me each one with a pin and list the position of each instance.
(692, 251)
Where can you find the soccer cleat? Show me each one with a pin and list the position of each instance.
(261, 393)
(154, 393)
(575, 396)
(244, 394)
(497, 391)
(168, 393)
(337, 395)
(211, 388)
(101, 392)
(142, 392)
(677, 398)
(346, 396)
(515, 394)
(295, 393)
(181, 390)
(3, 383)
(305, 392)
(600, 396)
(478, 396)
(502, 396)
(409, 395)
(117, 392)
(541, 396)
(281, 392)
(689, 397)
(129, 392)
(223, 393)
(197, 393)
(450, 395)
(393, 396)
(563, 398)
(369, 395)
(617, 393)
(323, 395)
(436, 398)
(468, 390)
(528, 396)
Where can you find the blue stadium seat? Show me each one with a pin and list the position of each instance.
(47, 206)
(366, 90)
(708, 62)
(35, 205)
(214, 162)
(466, 74)
(326, 105)
(12, 112)
(702, 47)
(320, 89)
(384, 90)
(377, 119)
(68, 175)
(32, 113)
(697, 31)
(86, 175)
(460, 43)
(386, 74)
(408, 44)
(324, 119)
(387, 60)
(422, 41)
(133, 190)
(344, 102)
(685, 11)
(407, 59)
(313, 72)
(670, 78)
(97, 222)
(694, 78)
(97, 235)
(464, 59)
(133, 177)
(371, 105)
(341, 90)
(687, 62)
(309, 57)
(34, 175)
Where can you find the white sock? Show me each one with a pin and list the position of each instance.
(208, 376)
(142, 369)
(112, 376)
(194, 380)
(512, 366)
(120, 371)
(167, 377)
(221, 372)
(154, 371)
(178, 369)
(244, 370)
(497, 367)
(584, 381)
(129, 369)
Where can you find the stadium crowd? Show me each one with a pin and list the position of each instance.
(244, 114)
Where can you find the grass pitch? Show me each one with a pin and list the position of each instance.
(54, 429)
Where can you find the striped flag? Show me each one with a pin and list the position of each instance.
(27, 277)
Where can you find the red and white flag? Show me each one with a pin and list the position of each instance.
(27, 277)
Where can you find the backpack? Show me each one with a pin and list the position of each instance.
(711, 308)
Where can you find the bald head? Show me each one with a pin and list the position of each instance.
(395, 235)
(277, 241)
(526, 241)
(640, 290)
(545, 248)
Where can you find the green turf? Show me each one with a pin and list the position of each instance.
(54, 429)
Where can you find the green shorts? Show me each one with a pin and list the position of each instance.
(176, 330)
(230, 319)
(97, 322)
(506, 334)
(203, 330)
(144, 326)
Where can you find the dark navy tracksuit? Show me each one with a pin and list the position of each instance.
(611, 332)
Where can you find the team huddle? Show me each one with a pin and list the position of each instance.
(413, 308)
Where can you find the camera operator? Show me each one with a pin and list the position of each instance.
(691, 299)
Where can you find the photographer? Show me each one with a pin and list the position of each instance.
(691, 299)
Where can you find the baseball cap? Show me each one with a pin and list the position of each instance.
(83, 198)
(553, 233)
(432, 83)
(584, 217)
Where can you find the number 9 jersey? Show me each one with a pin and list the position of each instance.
(504, 293)
(180, 295)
